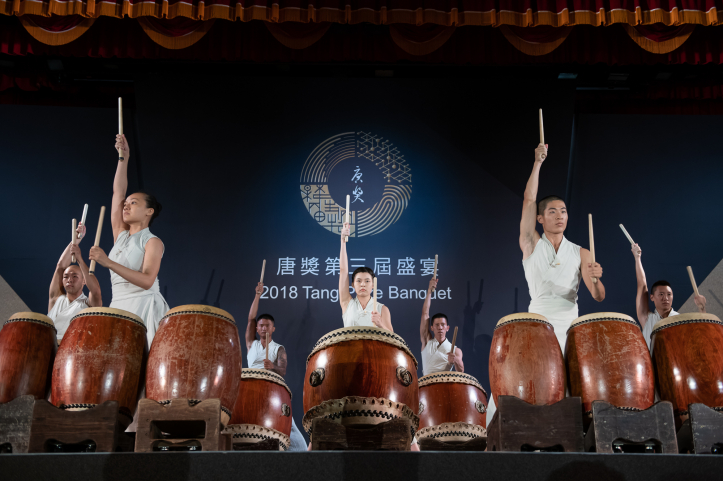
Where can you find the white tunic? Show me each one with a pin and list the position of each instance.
(653, 318)
(434, 356)
(148, 304)
(356, 316)
(63, 311)
(553, 279)
(257, 354)
(255, 358)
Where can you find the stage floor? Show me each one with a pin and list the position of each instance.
(367, 466)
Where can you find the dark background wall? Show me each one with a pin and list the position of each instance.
(224, 156)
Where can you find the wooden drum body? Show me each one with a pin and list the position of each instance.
(526, 360)
(452, 407)
(263, 408)
(360, 376)
(195, 355)
(688, 361)
(27, 350)
(100, 359)
(607, 359)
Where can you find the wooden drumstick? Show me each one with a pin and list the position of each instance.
(97, 237)
(375, 294)
(692, 281)
(120, 125)
(267, 346)
(348, 218)
(632, 242)
(542, 134)
(436, 259)
(82, 219)
(263, 269)
(592, 246)
(72, 239)
(454, 342)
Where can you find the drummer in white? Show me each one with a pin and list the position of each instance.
(553, 265)
(66, 296)
(135, 259)
(359, 310)
(277, 361)
(662, 297)
(437, 355)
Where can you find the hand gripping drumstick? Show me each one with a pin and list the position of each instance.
(82, 219)
(436, 259)
(348, 219)
(72, 238)
(263, 269)
(97, 237)
(120, 125)
(542, 134)
(592, 246)
(632, 242)
(692, 281)
(267, 346)
(454, 342)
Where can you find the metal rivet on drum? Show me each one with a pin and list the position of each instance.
(404, 376)
(317, 376)
(285, 410)
(421, 408)
(480, 407)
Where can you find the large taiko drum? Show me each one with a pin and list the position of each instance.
(262, 410)
(452, 407)
(607, 359)
(27, 349)
(526, 360)
(360, 376)
(195, 355)
(688, 361)
(100, 359)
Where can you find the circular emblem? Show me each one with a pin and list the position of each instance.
(285, 410)
(480, 407)
(404, 376)
(317, 376)
(368, 168)
(421, 408)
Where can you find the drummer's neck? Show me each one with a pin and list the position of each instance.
(665, 314)
(263, 341)
(555, 239)
(73, 297)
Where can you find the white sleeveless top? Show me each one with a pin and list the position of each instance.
(434, 356)
(553, 279)
(148, 304)
(653, 318)
(257, 354)
(63, 311)
(356, 316)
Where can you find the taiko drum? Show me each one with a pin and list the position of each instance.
(359, 376)
(452, 407)
(27, 350)
(688, 360)
(607, 359)
(195, 355)
(264, 400)
(100, 359)
(526, 360)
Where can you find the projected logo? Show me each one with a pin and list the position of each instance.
(368, 168)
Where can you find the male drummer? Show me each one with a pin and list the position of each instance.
(553, 265)
(662, 297)
(437, 355)
(66, 296)
(277, 360)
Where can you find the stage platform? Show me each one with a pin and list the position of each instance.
(367, 466)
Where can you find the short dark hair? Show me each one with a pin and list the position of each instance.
(152, 203)
(542, 204)
(660, 284)
(438, 316)
(361, 270)
(266, 316)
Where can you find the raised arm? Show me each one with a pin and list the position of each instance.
(642, 302)
(344, 296)
(253, 312)
(424, 333)
(528, 233)
(56, 284)
(120, 186)
(590, 270)
(146, 277)
(91, 282)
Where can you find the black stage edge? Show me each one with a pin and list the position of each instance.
(367, 466)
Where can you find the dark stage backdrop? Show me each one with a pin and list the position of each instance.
(246, 169)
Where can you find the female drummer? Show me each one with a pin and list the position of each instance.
(135, 259)
(359, 310)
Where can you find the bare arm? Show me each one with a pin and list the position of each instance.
(253, 312)
(387, 319)
(149, 270)
(424, 333)
(590, 270)
(91, 282)
(456, 360)
(528, 233)
(281, 362)
(642, 308)
(344, 296)
(120, 186)
(56, 284)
